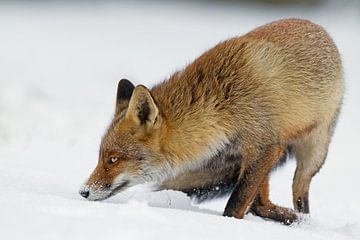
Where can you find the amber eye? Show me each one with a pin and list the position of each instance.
(113, 160)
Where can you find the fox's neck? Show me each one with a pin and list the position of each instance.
(194, 129)
(190, 144)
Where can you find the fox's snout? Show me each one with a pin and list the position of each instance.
(96, 188)
(95, 193)
(84, 193)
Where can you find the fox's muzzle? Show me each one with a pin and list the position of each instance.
(99, 190)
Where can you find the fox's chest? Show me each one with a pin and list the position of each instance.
(218, 172)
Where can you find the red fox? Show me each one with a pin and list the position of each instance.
(227, 119)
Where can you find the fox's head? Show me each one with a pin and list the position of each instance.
(130, 150)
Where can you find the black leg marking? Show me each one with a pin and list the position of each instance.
(232, 203)
(302, 204)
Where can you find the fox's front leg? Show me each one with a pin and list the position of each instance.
(250, 180)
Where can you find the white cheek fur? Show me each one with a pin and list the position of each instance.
(120, 179)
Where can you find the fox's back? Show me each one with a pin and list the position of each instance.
(283, 74)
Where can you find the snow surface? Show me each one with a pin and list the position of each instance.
(59, 67)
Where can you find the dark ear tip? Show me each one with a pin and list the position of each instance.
(125, 89)
(125, 82)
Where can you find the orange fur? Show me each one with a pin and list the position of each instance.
(230, 115)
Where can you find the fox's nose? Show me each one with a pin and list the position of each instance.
(84, 193)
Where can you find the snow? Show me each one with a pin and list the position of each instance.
(59, 69)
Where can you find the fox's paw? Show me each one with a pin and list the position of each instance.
(271, 211)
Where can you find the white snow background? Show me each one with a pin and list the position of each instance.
(59, 68)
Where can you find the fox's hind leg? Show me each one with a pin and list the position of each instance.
(310, 152)
(263, 207)
(250, 180)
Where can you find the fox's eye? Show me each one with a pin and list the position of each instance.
(113, 160)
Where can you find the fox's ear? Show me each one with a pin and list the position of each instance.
(124, 92)
(142, 108)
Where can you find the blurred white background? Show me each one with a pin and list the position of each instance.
(59, 67)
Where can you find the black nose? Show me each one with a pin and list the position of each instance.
(84, 193)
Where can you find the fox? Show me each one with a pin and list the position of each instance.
(228, 119)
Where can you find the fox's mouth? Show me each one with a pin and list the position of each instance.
(118, 188)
